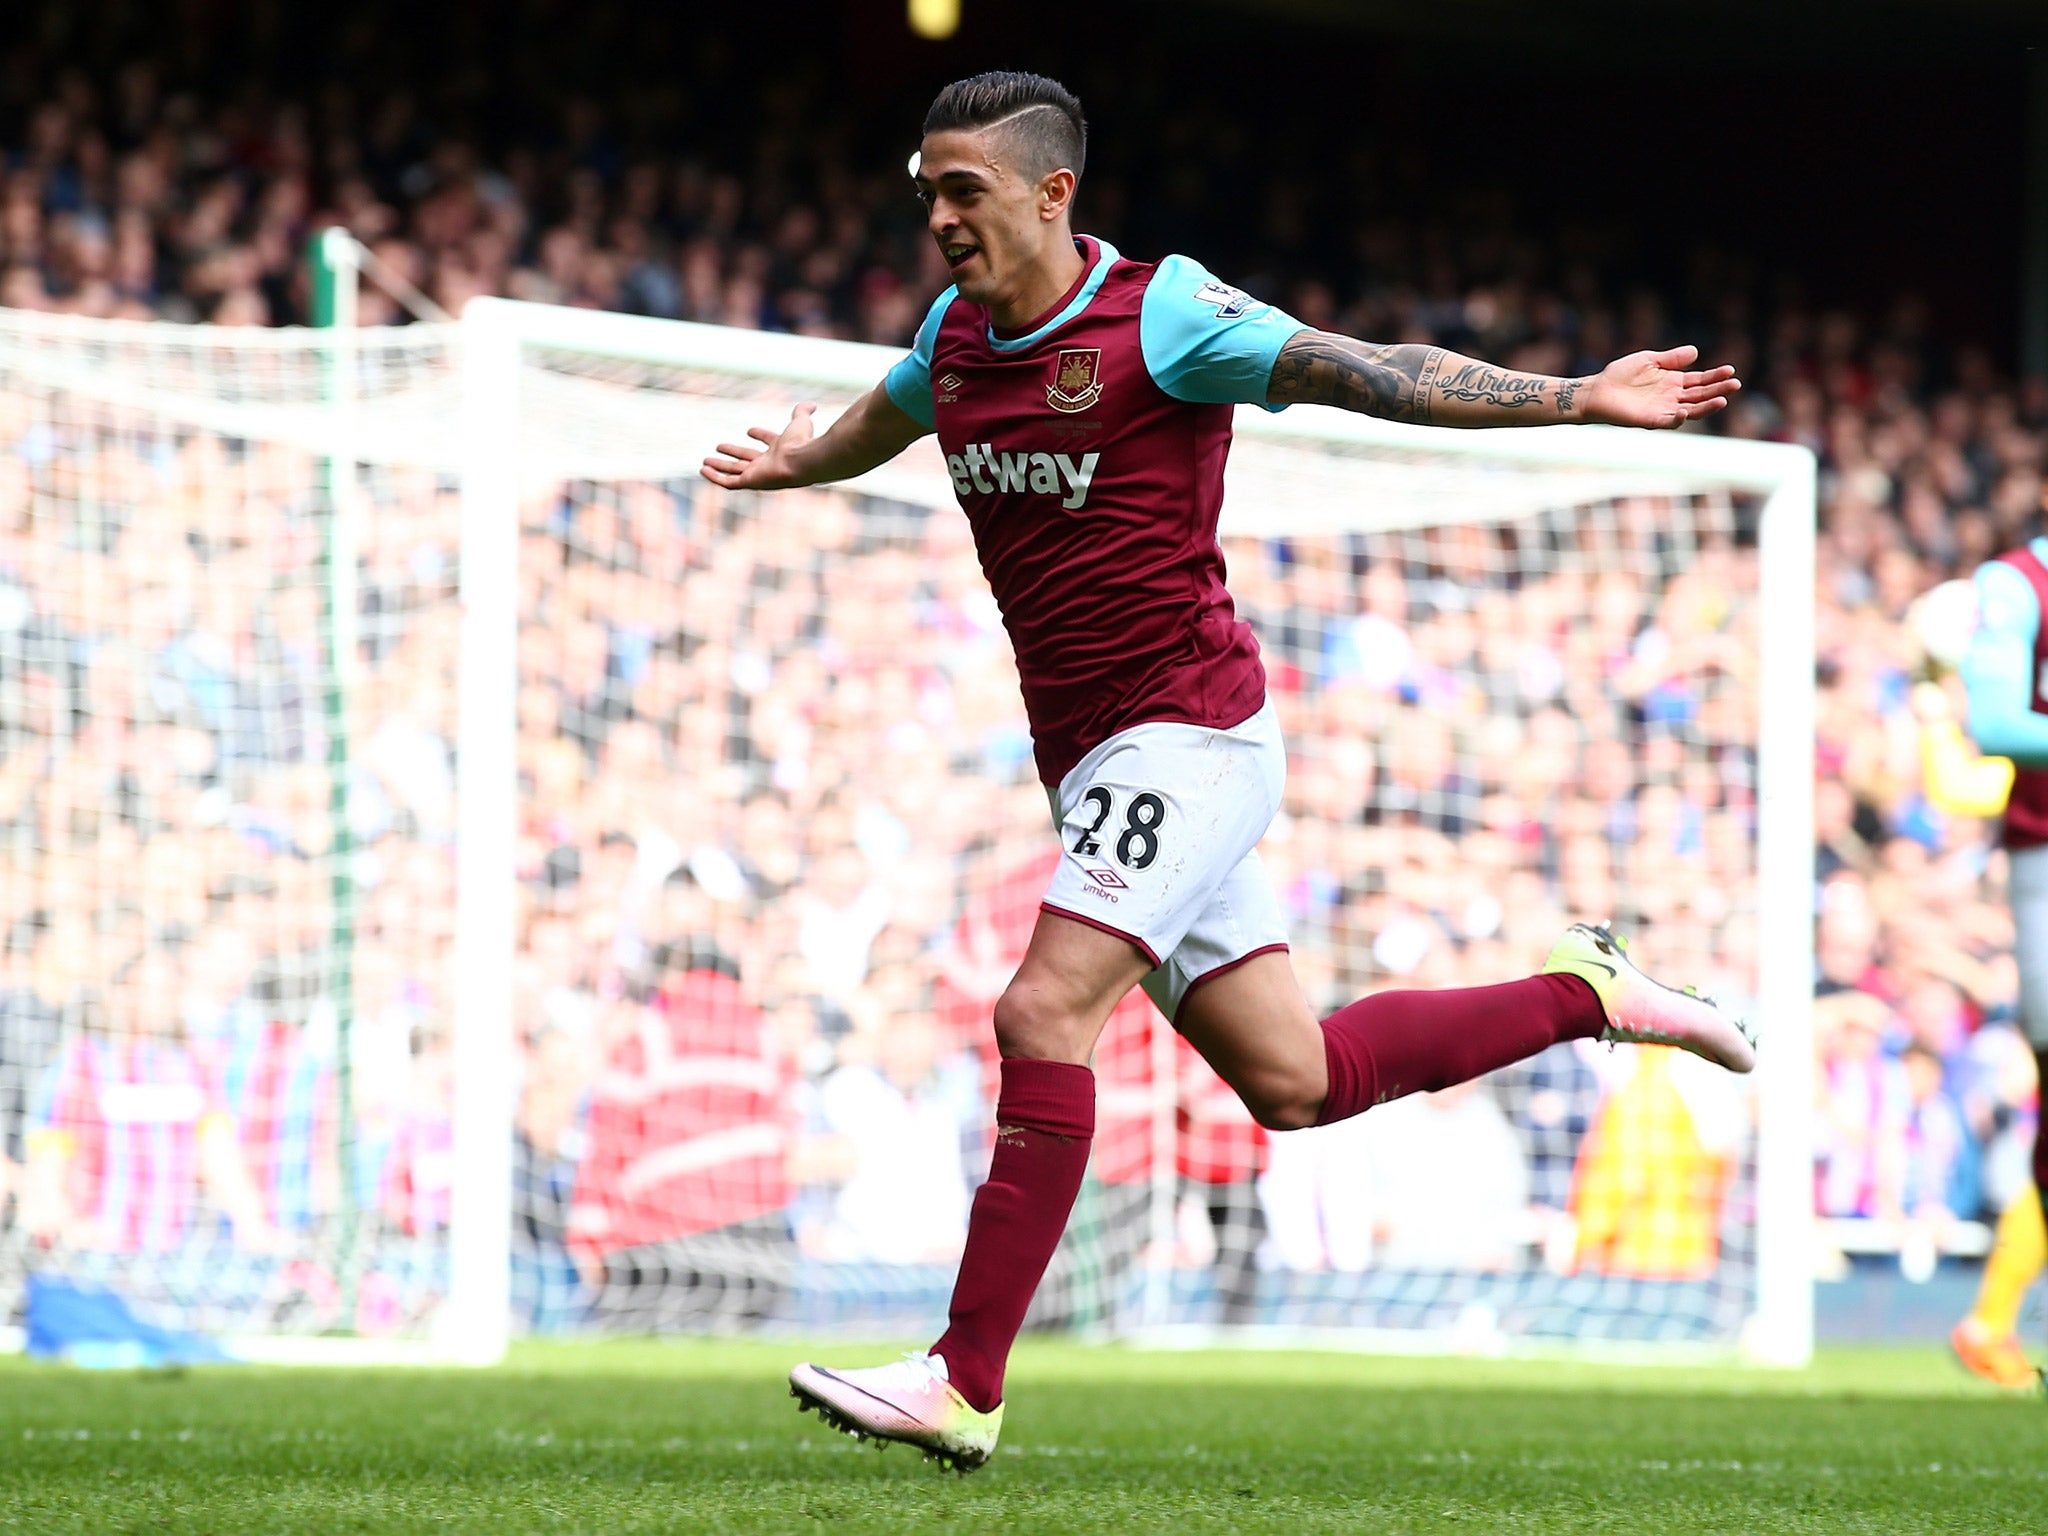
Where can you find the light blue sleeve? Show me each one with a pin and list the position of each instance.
(909, 383)
(1207, 342)
(1998, 668)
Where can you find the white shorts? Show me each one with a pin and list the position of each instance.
(1159, 827)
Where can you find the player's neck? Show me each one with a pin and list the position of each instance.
(1043, 289)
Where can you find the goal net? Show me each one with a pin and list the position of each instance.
(466, 876)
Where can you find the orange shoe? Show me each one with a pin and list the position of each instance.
(1995, 1357)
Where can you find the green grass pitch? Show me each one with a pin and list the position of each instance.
(632, 1436)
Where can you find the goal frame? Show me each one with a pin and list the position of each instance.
(475, 1325)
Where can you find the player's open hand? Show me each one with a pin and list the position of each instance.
(743, 467)
(1658, 389)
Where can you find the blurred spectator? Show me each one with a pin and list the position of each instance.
(897, 1132)
(1435, 1181)
(28, 1039)
(1940, 1176)
(678, 1209)
(277, 1085)
(547, 1145)
(1864, 1110)
(1554, 1098)
(130, 1131)
(1220, 1148)
(1655, 1168)
(2000, 1098)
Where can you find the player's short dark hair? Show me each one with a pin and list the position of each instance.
(1040, 116)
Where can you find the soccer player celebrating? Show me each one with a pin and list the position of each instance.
(2005, 672)
(1084, 402)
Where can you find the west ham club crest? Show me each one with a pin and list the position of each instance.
(1076, 379)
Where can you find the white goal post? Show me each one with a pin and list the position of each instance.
(498, 334)
(462, 875)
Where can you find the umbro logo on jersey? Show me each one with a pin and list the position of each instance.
(979, 468)
(949, 389)
(1076, 379)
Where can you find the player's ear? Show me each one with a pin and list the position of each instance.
(1055, 193)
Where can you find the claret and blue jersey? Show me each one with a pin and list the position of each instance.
(1088, 455)
(2006, 673)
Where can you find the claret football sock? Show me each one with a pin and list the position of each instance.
(1396, 1043)
(1045, 1121)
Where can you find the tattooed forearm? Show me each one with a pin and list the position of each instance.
(1317, 367)
(1480, 384)
(1412, 383)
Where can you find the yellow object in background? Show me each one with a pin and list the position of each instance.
(935, 18)
(1647, 1189)
(1958, 779)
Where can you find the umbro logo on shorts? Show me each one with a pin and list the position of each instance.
(1107, 879)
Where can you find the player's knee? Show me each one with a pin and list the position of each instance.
(1284, 1103)
(1286, 1114)
(1030, 1025)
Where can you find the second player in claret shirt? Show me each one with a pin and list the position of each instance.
(1083, 402)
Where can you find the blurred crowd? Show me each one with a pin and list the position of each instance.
(779, 838)
(137, 202)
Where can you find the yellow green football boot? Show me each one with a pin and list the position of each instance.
(1646, 1012)
(911, 1401)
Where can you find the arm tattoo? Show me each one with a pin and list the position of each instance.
(1408, 383)
(1319, 368)
(1482, 384)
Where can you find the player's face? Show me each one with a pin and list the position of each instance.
(991, 222)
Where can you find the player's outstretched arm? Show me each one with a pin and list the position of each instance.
(1429, 385)
(1998, 669)
(873, 431)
